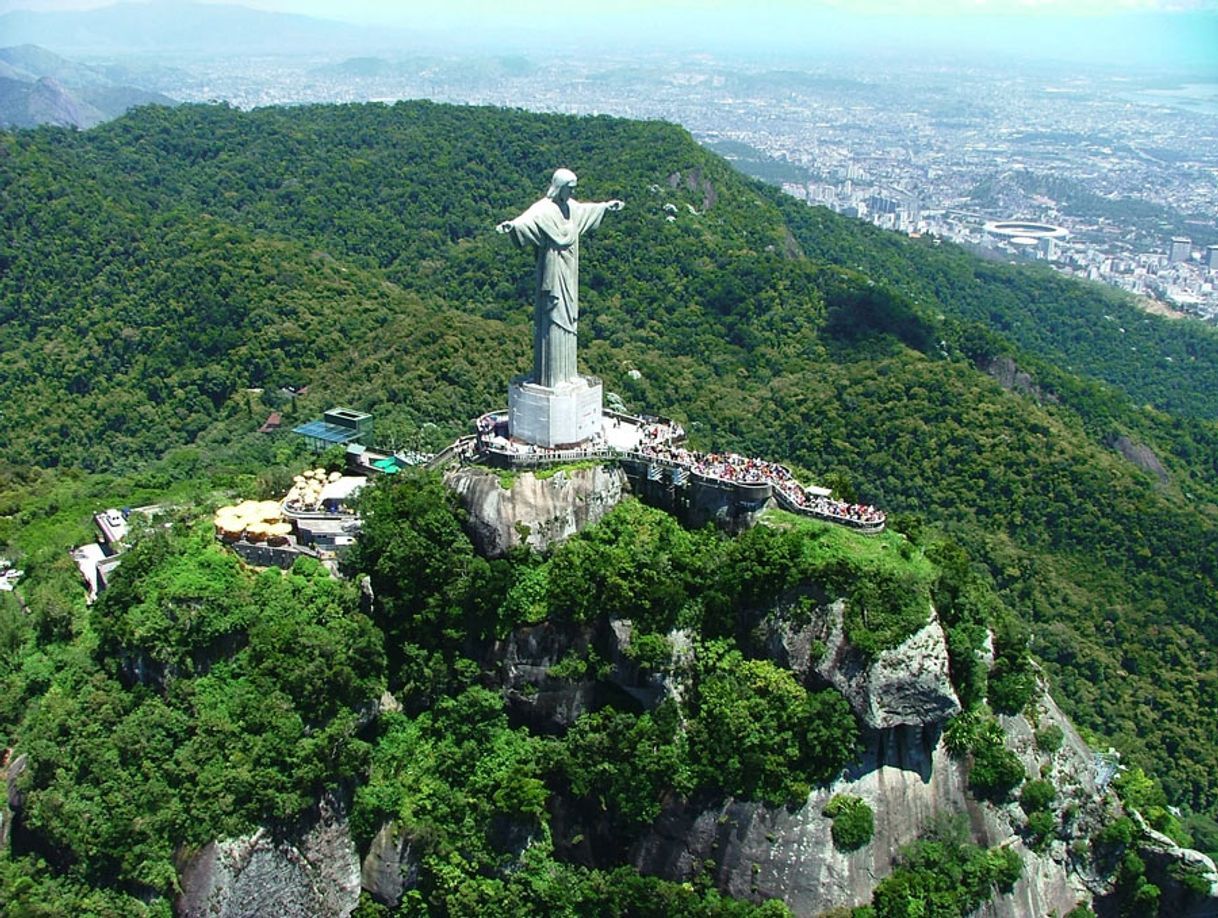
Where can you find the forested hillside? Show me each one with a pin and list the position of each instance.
(164, 276)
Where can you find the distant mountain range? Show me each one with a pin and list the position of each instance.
(169, 26)
(40, 87)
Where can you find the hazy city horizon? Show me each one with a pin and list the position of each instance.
(1141, 34)
(1113, 154)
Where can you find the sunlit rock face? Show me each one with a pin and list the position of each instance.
(905, 775)
(311, 870)
(908, 685)
(538, 512)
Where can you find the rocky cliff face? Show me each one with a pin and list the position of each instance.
(12, 800)
(552, 673)
(749, 850)
(391, 866)
(1142, 456)
(905, 774)
(908, 779)
(537, 511)
(908, 685)
(309, 869)
(1166, 862)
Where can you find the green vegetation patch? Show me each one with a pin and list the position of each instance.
(853, 821)
(217, 699)
(995, 770)
(944, 874)
(887, 580)
(758, 734)
(627, 763)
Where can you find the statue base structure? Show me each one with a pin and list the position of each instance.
(564, 416)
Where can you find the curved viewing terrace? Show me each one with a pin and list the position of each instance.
(655, 444)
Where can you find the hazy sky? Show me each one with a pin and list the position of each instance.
(407, 11)
(411, 11)
(1145, 32)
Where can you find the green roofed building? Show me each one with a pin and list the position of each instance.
(338, 425)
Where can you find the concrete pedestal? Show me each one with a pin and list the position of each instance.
(565, 416)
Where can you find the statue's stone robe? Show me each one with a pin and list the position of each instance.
(555, 236)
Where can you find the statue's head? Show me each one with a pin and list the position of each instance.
(564, 179)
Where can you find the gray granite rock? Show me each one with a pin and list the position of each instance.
(14, 798)
(312, 871)
(539, 512)
(757, 852)
(1165, 862)
(391, 866)
(909, 685)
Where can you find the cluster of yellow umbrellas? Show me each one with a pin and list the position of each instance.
(256, 520)
(307, 487)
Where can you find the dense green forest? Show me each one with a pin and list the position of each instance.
(197, 698)
(165, 277)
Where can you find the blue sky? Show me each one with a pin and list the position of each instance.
(1145, 33)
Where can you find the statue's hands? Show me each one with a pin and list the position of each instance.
(615, 204)
(504, 227)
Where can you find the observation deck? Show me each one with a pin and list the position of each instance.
(650, 450)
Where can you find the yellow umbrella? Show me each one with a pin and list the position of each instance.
(277, 533)
(269, 510)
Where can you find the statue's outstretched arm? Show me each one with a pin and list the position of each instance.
(504, 227)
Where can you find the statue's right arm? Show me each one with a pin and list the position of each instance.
(504, 227)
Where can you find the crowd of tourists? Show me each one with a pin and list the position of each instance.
(737, 469)
(819, 505)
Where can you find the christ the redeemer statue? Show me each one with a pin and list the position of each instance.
(553, 226)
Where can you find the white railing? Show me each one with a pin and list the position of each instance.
(865, 526)
(457, 449)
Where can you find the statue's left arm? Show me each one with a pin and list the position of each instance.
(589, 214)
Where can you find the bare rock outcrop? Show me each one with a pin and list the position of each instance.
(14, 799)
(1142, 456)
(391, 866)
(1166, 863)
(1013, 379)
(907, 778)
(758, 852)
(533, 510)
(539, 669)
(313, 869)
(553, 672)
(909, 685)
